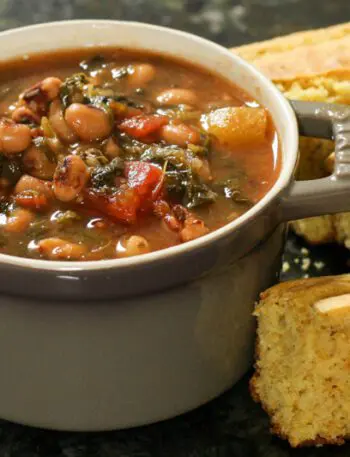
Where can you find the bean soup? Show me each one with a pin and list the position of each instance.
(111, 153)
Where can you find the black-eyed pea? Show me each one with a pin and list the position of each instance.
(193, 228)
(29, 183)
(59, 249)
(19, 220)
(141, 75)
(37, 164)
(24, 114)
(14, 138)
(70, 178)
(88, 122)
(134, 245)
(59, 125)
(51, 87)
(177, 96)
(180, 134)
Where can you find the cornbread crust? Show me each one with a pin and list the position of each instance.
(311, 66)
(288, 390)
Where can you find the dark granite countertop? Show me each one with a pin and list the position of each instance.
(232, 425)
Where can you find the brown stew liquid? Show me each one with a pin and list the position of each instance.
(108, 153)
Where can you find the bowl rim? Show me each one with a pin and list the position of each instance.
(287, 167)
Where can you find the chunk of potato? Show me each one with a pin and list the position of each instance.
(237, 126)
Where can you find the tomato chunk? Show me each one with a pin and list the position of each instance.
(121, 206)
(143, 125)
(143, 177)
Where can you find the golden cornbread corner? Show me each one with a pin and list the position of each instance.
(312, 66)
(302, 369)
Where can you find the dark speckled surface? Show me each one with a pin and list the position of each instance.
(232, 425)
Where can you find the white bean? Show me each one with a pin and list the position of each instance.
(141, 75)
(59, 125)
(180, 134)
(135, 245)
(58, 249)
(37, 164)
(70, 178)
(177, 96)
(14, 138)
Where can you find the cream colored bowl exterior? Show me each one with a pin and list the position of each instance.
(120, 362)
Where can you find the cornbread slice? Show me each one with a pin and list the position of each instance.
(311, 66)
(302, 370)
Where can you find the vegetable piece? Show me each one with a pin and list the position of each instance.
(32, 200)
(66, 217)
(144, 183)
(237, 126)
(72, 89)
(145, 178)
(120, 206)
(144, 125)
(105, 175)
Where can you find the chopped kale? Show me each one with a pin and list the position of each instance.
(105, 176)
(93, 157)
(232, 189)
(72, 89)
(181, 181)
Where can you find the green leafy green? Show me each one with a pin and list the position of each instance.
(104, 176)
(72, 89)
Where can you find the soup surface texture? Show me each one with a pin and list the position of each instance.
(109, 153)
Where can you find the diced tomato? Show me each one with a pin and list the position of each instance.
(143, 177)
(32, 200)
(122, 206)
(144, 183)
(143, 126)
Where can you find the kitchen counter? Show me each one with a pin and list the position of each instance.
(232, 425)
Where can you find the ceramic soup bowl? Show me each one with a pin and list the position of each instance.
(117, 343)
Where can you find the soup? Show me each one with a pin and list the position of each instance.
(110, 153)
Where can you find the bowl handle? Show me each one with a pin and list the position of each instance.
(330, 194)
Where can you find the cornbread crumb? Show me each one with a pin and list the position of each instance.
(304, 251)
(302, 370)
